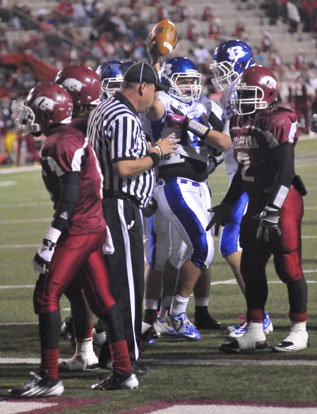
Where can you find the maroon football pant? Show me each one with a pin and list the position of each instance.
(286, 250)
(71, 255)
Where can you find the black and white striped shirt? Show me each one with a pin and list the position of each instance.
(116, 134)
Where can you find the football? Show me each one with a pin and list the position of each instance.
(165, 34)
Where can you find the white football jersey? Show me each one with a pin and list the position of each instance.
(190, 145)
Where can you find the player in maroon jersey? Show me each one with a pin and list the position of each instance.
(264, 136)
(83, 84)
(74, 240)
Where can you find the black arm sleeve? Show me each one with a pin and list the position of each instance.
(69, 196)
(284, 158)
(235, 190)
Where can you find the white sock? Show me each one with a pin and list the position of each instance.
(298, 326)
(84, 347)
(150, 304)
(202, 301)
(179, 305)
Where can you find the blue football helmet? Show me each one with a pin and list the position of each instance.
(111, 76)
(126, 65)
(230, 59)
(183, 79)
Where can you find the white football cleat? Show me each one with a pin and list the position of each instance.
(79, 362)
(253, 340)
(296, 340)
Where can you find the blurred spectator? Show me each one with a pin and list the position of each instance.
(259, 60)
(273, 11)
(26, 150)
(184, 13)
(277, 65)
(299, 100)
(239, 29)
(266, 42)
(192, 30)
(293, 16)
(208, 13)
(300, 62)
(214, 28)
(202, 57)
(65, 11)
(80, 17)
(161, 13)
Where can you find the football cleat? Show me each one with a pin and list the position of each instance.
(161, 327)
(117, 381)
(182, 326)
(148, 335)
(207, 322)
(79, 362)
(296, 340)
(139, 368)
(238, 330)
(41, 386)
(253, 340)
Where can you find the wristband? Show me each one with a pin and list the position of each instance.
(197, 128)
(52, 235)
(161, 152)
(155, 158)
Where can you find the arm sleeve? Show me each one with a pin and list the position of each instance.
(235, 190)
(284, 158)
(69, 196)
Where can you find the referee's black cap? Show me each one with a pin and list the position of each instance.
(144, 72)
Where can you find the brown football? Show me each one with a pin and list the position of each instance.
(165, 34)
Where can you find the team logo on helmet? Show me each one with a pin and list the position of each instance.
(168, 69)
(72, 85)
(235, 52)
(268, 81)
(44, 103)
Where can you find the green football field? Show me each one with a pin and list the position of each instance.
(179, 370)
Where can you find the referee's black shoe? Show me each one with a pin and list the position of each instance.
(139, 368)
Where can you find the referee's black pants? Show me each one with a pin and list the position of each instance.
(126, 266)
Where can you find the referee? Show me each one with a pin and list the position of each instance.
(128, 164)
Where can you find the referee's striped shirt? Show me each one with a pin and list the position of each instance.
(116, 134)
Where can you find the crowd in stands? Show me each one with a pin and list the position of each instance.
(89, 32)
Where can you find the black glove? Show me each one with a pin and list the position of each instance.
(269, 219)
(215, 158)
(222, 215)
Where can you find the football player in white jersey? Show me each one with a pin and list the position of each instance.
(182, 194)
(230, 59)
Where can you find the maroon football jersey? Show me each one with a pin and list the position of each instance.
(67, 150)
(254, 138)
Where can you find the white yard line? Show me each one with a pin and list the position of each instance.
(193, 362)
(30, 220)
(14, 170)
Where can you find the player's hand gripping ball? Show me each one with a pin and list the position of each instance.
(165, 35)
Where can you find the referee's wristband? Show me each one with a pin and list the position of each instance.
(160, 149)
(155, 158)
